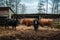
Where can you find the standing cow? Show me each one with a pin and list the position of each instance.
(11, 22)
(46, 22)
(28, 21)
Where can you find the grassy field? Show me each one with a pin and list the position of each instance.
(23, 32)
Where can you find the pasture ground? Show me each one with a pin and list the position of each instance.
(23, 32)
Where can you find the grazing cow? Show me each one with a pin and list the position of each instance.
(28, 21)
(11, 22)
(46, 22)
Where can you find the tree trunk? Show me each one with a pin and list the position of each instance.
(47, 7)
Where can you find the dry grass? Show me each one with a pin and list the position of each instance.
(27, 33)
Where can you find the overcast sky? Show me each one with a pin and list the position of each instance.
(32, 6)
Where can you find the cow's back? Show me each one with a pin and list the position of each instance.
(28, 21)
(46, 21)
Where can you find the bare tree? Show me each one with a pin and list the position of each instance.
(13, 4)
(23, 9)
(55, 6)
(46, 6)
(2, 3)
(17, 3)
(41, 8)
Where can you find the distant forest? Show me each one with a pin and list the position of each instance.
(44, 6)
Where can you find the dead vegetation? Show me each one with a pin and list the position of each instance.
(28, 33)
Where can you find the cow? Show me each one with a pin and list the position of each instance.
(11, 22)
(46, 22)
(28, 21)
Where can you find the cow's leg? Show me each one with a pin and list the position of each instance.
(42, 25)
(13, 27)
(51, 26)
(7, 27)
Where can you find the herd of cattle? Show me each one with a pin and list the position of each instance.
(42, 22)
(25, 21)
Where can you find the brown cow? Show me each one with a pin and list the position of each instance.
(46, 22)
(28, 21)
